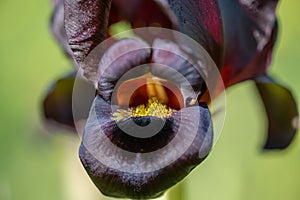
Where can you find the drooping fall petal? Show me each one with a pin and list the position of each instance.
(281, 109)
(116, 164)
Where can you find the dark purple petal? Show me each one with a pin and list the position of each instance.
(60, 100)
(250, 32)
(86, 26)
(201, 20)
(135, 183)
(58, 27)
(282, 113)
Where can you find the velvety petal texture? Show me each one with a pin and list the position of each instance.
(126, 172)
(117, 153)
(86, 26)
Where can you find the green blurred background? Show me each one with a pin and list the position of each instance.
(38, 165)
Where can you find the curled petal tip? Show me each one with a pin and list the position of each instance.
(282, 113)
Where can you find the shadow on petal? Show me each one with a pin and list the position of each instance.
(120, 169)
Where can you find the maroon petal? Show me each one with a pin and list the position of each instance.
(86, 26)
(282, 113)
(140, 13)
(201, 20)
(117, 60)
(250, 32)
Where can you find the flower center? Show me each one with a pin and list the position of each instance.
(147, 96)
(152, 108)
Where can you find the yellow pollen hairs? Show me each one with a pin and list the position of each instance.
(152, 108)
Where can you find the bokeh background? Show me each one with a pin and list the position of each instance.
(36, 164)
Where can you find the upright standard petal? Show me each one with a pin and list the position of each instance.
(117, 60)
(58, 27)
(201, 20)
(140, 13)
(86, 26)
(170, 54)
(250, 30)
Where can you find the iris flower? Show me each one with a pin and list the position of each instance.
(238, 35)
